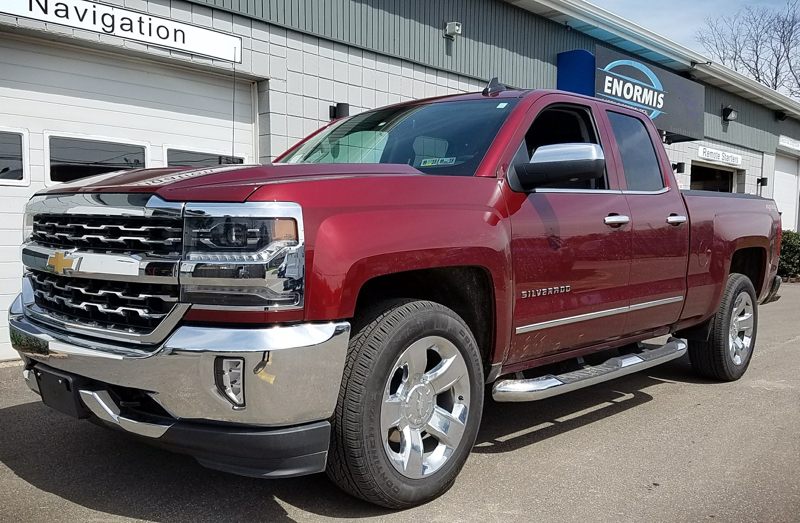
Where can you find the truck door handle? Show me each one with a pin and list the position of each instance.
(674, 219)
(616, 220)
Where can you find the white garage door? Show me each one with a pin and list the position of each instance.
(49, 92)
(786, 191)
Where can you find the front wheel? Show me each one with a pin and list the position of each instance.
(727, 353)
(409, 406)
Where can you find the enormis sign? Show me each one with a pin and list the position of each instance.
(675, 104)
(133, 25)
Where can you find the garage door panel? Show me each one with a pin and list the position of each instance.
(215, 104)
(786, 191)
(101, 116)
(99, 72)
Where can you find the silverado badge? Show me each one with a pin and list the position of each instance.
(59, 263)
(545, 292)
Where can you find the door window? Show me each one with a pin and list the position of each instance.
(73, 158)
(557, 125)
(639, 160)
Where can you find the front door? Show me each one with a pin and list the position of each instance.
(571, 255)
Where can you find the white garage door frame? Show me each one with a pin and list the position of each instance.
(786, 191)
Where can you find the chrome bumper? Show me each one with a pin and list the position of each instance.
(292, 373)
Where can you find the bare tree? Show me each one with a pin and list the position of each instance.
(758, 42)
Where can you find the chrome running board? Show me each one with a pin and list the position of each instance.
(534, 389)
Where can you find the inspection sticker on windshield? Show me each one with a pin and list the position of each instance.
(430, 162)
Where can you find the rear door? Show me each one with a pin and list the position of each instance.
(659, 224)
(571, 268)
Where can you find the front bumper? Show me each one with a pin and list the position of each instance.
(292, 375)
(246, 450)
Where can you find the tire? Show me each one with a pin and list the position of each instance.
(380, 384)
(720, 357)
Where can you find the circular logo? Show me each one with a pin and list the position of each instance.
(418, 405)
(634, 84)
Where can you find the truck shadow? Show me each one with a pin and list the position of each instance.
(117, 475)
(506, 427)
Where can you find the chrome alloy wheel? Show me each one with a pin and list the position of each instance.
(741, 328)
(425, 406)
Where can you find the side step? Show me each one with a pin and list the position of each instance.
(534, 389)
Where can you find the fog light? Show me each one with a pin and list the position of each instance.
(229, 375)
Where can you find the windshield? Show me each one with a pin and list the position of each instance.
(448, 138)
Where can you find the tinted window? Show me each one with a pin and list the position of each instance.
(10, 156)
(560, 125)
(73, 158)
(176, 158)
(437, 138)
(639, 160)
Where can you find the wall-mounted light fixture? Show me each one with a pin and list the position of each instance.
(679, 167)
(452, 29)
(340, 110)
(763, 182)
(781, 115)
(729, 114)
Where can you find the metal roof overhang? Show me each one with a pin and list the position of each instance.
(606, 26)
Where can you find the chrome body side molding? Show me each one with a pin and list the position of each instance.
(595, 315)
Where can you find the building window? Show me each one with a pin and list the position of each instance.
(74, 158)
(11, 165)
(178, 158)
(639, 161)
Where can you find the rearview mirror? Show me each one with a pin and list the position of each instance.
(559, 163)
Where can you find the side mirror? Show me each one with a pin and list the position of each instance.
(559, 163)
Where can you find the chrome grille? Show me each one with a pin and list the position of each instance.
(109, 233)
(123, 306)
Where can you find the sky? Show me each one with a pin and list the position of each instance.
(678, 20)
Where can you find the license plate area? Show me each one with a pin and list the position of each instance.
(60, 391)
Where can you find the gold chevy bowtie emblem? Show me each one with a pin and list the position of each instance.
(58, 262)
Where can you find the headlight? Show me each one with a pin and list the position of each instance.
(238, 239)
(243, 260)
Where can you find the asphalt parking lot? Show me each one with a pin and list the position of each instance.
(661, 445)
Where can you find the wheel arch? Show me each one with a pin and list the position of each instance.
(467, 290)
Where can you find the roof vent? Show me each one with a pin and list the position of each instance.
(493, 88)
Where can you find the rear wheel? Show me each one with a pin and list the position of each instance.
(727, 353)
(410, 404)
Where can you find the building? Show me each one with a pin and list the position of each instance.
(89, 87)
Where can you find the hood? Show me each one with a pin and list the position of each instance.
(223, 183)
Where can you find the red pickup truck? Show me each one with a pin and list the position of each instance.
(342, 309)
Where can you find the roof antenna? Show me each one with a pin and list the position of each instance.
(494, 87)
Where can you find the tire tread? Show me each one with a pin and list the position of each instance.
(347, 462)
(708, 358)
